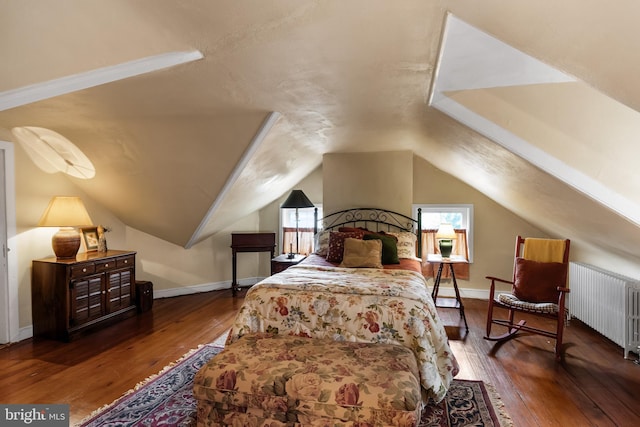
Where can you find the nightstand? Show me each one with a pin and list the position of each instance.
(282, 262)
(448, 302)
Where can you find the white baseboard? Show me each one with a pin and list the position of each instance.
(27, 331)
(464, 293)
(24, 333)
(205, 287)
(483, 294)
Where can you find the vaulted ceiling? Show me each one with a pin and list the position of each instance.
(260, 90)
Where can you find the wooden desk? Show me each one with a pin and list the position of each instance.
(448, 302)
(250, 242)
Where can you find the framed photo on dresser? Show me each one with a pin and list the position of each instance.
(90, 238)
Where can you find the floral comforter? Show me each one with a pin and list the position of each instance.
(348, 304)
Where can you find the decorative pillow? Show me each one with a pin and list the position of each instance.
(336, 243)
(389, 247)
(537, 281)
(362, 253)
(406, 244)
(321, 243)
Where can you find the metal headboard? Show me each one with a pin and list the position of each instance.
(372, 219)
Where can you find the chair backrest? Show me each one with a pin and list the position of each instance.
(542, 250)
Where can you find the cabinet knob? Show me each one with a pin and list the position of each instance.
(84, 270)
(126, 261)
(103, 292)
(106, 265)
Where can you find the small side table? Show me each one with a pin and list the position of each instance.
(448, 302)
(282, 262)
(249, 242)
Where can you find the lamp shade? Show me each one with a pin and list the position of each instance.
(446, 231)
(65, 211)
(297, 199)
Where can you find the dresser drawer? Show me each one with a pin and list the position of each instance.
(79, 270)
(105, 264)
(126, 261)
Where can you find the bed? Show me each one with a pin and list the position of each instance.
(383, 303)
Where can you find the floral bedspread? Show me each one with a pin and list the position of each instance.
(360, 305)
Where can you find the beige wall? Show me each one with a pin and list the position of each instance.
(173, 269)
(345, 180)
(379, 180)
(495, 228)
(311, 185)
(343, 174)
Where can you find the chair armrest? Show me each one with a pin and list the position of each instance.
(492, 289)
(561, 289)
(496, 279)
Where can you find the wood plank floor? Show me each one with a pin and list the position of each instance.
(593, 386)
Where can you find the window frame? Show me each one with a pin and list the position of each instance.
(465, 209)
(281, 226)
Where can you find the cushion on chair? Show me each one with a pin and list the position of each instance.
(284, 380)
(512, 301)
(538, 281)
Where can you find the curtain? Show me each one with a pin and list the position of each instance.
(430, 246)
(305, 240)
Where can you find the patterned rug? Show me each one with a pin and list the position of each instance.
(166, 399)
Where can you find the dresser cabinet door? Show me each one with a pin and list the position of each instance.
(120, 290)
(87, 299)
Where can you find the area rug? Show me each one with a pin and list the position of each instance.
(166, 399)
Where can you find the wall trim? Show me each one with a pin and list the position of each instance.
(204, 287)
(483, 294)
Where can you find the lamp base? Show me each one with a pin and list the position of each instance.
(66, 242)
(291, 255)
(446, 246)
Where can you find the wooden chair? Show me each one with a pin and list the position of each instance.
(538, 287)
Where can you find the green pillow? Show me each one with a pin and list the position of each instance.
(389, 247)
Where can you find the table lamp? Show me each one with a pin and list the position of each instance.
(445, 236)
(297, 199)
(68, 213)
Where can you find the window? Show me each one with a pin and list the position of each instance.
(460, 216)
(305, 229)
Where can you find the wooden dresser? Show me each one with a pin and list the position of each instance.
(71, 296)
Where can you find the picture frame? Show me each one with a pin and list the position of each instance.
(90, 238)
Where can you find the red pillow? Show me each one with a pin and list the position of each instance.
(336, 243)
(538, 281)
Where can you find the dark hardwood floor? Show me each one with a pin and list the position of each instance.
(593, 386)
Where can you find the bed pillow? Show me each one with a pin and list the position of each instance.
(406, 244)
(389, 247)
(537, 281)
(362, 253)
(336, 243)
(321, 243)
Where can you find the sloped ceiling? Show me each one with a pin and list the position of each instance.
(181, 152)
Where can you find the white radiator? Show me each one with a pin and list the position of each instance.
(606, 301)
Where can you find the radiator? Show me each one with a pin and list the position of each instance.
(606, 301)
